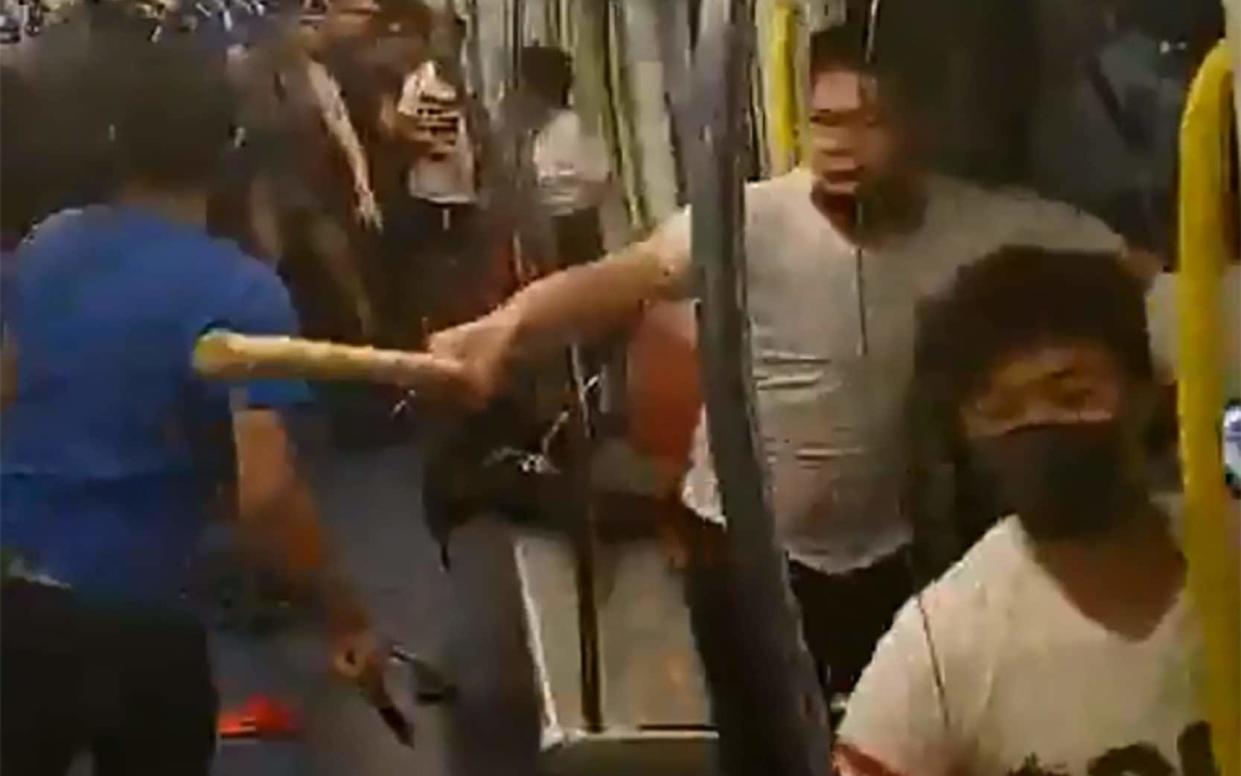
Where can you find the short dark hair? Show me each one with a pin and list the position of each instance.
(842, 47)
(173, 113)
(1020, 297)
(547, 72)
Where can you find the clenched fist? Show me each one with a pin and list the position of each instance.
(485, 348)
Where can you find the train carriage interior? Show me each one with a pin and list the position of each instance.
(635, 387)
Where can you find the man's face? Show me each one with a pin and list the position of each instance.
(1060, 429)
(852, 141)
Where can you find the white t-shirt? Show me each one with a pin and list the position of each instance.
(1030, 684)
(447, 176)
(829, 416)
(1161, 318)
(571, 165)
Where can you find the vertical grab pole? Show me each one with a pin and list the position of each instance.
(534, 232)
(785, 139)
(1204, 247)
(767, 634)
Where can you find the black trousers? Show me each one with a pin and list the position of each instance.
(842, 617)
(435, 260)
(133, 689)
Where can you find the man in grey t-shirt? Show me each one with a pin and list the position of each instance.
(829, 371)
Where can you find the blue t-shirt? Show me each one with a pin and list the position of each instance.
(113, 448)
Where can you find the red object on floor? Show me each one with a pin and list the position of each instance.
(261, 716)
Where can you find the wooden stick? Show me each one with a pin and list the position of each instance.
(229, 356)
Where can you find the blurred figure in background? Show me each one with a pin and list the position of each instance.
(116, 455)
(451, 270)
(431, 112)
(1119, 92)
(571, 167)
(329, 171)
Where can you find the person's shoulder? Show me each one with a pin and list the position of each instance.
(223, 265)
(1014, 214)
(250, 297)
(971, 587)
(248, 271)
(69, 224)
(1000, 197)
(58, 242)
(772, 196)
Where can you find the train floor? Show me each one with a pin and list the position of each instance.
(466, 620)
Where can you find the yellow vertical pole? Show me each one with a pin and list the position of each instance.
(782, 102)
(1209, 548)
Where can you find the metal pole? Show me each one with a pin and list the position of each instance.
(535, 232)
(767, 634)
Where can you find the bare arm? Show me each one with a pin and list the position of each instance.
(278, 520)
(579, 304)
(593, 300)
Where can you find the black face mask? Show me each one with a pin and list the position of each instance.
(1064, 481)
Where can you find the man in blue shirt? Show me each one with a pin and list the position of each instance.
(115, 454)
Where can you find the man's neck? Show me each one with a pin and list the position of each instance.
(1126, 580)
(867, 220)
(188, 207)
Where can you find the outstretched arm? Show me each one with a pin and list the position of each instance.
(579, 304)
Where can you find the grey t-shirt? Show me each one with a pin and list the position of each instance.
(829, 413)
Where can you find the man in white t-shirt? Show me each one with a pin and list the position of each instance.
(571, 166)
(1062, 642)
(830, 368)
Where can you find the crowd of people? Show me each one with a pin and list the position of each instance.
(340, 181)
(319, 180)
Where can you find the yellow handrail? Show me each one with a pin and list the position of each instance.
(1204, 247)
(784, 140)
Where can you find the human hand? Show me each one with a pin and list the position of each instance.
(484, 348)
(356, 651)
(358, 657)
(367, 209)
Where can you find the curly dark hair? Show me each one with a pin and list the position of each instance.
(1002, 304)
(1021, 296)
